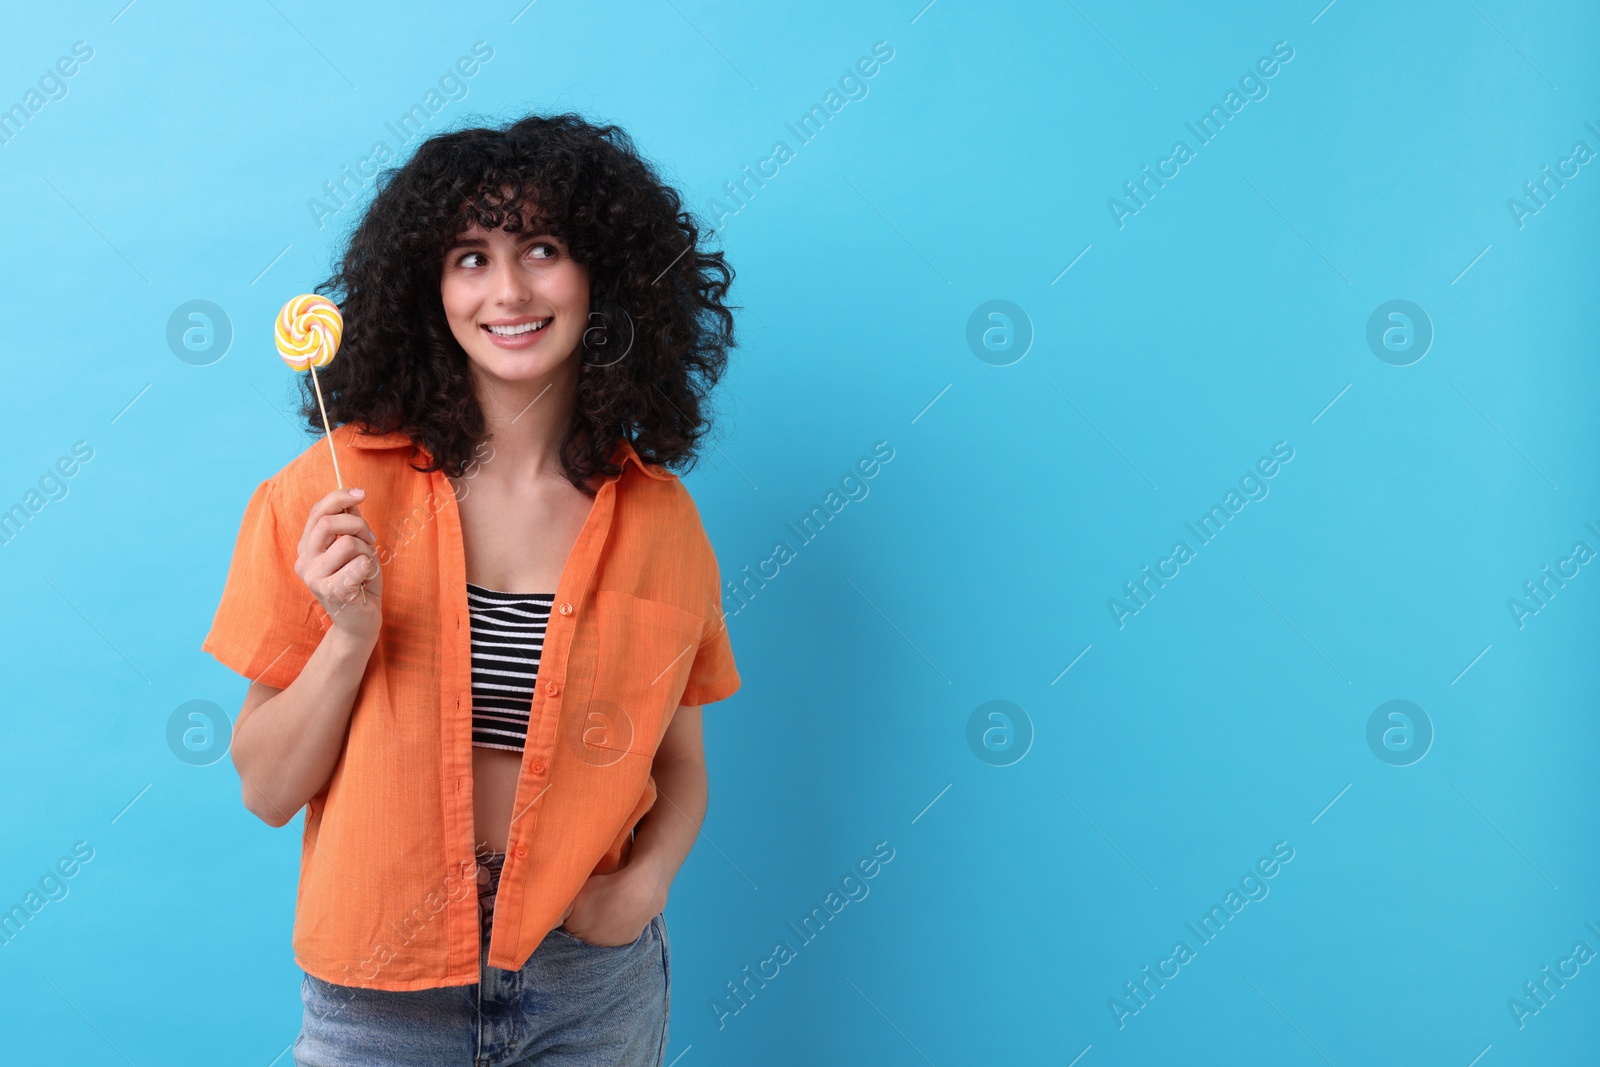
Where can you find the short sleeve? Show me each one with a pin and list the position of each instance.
(713, 676)
(268, 623)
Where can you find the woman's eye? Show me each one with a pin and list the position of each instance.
(540, 250)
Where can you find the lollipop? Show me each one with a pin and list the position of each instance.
(308, 332)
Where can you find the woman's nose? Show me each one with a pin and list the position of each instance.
(512, 286)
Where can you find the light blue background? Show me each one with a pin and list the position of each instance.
(1227, 315)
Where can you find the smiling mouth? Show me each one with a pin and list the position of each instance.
(520, 329)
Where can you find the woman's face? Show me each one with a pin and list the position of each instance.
(517, 303)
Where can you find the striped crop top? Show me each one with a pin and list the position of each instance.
(507, 637)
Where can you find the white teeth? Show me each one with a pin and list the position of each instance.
(517, 331)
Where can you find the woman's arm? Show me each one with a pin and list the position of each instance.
(287, 741)
(613, 909)
(663, 838)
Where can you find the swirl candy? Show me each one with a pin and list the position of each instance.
(308, 332)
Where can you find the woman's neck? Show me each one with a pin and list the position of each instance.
(525, 422)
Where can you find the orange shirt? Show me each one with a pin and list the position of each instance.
(388, 896)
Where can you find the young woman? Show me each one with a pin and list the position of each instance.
(479, 668)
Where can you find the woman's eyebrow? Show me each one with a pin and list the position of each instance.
(479, 242)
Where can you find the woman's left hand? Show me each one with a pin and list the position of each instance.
(613, 909)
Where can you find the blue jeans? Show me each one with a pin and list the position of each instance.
(573, 1004)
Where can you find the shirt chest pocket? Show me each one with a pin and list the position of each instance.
(645, 651)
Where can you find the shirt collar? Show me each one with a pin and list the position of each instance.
(624, 450)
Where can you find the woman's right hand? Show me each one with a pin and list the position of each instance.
(338, 561)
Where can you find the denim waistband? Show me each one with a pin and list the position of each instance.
(489, 867)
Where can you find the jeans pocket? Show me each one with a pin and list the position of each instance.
(324, 1001)
(575, 939)
(660, 922)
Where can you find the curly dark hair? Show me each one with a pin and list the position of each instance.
(399, 366)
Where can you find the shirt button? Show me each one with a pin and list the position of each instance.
(566, 609)
(552, 688)
(538, 766)
(522, 852)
